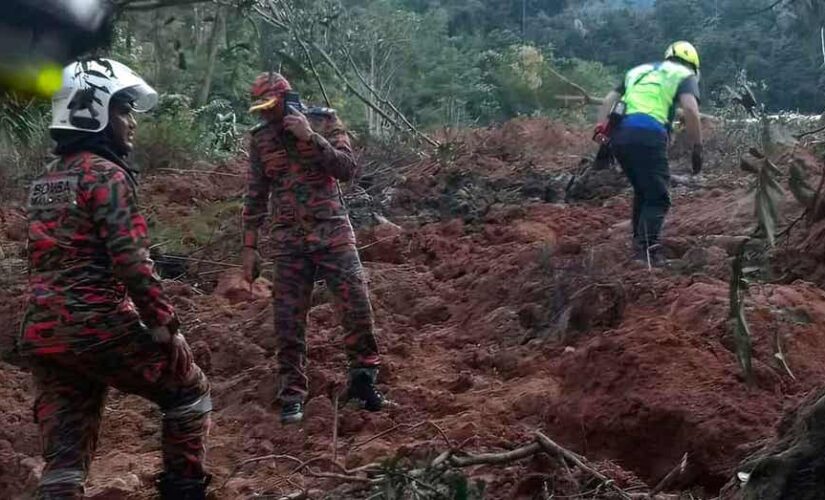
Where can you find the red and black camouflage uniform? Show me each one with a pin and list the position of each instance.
(93, 298)
(313, 239)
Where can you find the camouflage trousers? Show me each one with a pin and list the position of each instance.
(295, 276)
(71, 392)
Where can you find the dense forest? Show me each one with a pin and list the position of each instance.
(389, 65)
(454, 62)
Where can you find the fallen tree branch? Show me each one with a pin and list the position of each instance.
(551, 447)
(793, 223)
(409, 427)
(328, 460)
(588, 99)
(253, 460)
(202, 172)
(341, 477)
(671, 476)
(496, 458)
(202, 261)
(810, 132)
(301, 495)
(380, 240)
(443, 434)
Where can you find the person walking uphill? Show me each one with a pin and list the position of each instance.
(97, 315)
(639, 135)
(297, 157)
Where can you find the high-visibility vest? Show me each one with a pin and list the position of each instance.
(651, 89)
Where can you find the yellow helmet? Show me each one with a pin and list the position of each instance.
(684, 51)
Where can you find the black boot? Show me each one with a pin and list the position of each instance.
(362, 388)
(172, 487)
(292, 413)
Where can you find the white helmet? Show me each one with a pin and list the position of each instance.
(83, 100)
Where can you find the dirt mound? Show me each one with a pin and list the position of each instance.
(514, 314)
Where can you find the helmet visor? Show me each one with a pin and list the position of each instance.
(141, 96)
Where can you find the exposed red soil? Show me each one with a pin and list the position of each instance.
(471, 316)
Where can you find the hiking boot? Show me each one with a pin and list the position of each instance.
(292, 413)
(172, 487)
(362, 389)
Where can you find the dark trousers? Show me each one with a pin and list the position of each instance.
(647, 169)
(71, 392)
(295, 276)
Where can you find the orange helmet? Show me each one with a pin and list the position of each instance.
(268, 90)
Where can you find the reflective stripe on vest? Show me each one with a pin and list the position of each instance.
(651, 89)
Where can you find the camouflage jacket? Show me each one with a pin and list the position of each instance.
(299, 182)
(90, 276)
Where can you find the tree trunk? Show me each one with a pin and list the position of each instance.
(214, 44)
(158, 47)
(792, 467)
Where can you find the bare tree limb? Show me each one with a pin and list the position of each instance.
(366, 100)
(385, 101)
(811, 132)
(666, 481)
(341, 477)
(273, 18)
(768, 8)
(289, 25)
(588, 99)
(256, 460)
(274, 21)
(315, 72)
(551, 447)
(496, 458)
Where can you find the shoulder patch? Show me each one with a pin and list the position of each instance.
(53, 191)
(320, 111)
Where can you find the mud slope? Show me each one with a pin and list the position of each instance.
(499, 316)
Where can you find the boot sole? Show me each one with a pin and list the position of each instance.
(292, 419)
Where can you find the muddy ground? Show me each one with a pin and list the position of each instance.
(501, 310)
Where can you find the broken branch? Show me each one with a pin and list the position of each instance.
(202, 172)
(496, 458)
(253, 460)
(551, 447)
(671, 476)
(341, 477)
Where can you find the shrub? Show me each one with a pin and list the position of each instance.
(176, 136)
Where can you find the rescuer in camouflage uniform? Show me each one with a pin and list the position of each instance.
(97, 315)
(297, 157)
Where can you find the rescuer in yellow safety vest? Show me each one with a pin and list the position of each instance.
(636, 118)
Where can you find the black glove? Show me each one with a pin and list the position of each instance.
(696, 159)
(604, 158)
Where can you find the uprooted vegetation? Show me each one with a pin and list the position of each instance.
(503, 313)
